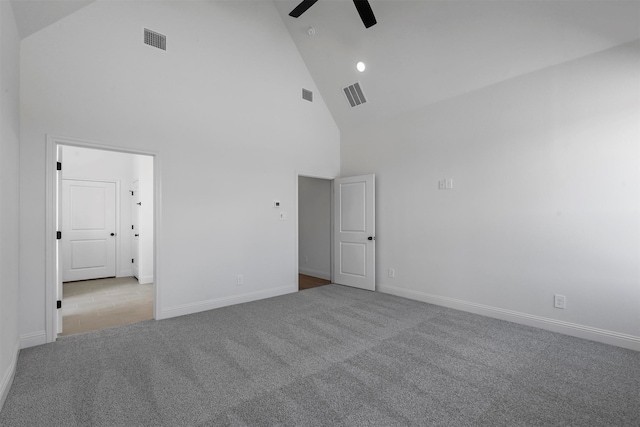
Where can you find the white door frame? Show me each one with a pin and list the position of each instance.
(135, 227)
(297, 225)
(51, 243)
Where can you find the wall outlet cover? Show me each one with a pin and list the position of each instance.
(559, 301)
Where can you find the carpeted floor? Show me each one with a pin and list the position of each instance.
(329, 356)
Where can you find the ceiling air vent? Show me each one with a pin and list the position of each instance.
(155, 39)
(354, 94)
(307, 95)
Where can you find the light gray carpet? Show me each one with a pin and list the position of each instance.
(329, 356)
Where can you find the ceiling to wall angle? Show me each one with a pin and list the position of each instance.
(425, 52)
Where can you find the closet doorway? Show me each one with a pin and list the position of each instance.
(314, 232)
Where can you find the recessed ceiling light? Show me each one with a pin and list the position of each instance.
(360, 66)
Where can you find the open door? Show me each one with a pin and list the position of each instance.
(354, 231)
(58, 243)
(135, 227)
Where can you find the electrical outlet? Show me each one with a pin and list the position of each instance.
(240, 279)
(306, 258)
(449, 184)
(560, 301)
(392, 272)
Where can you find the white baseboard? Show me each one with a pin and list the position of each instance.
(125, 273)
(567, 328)
(7, 376)
(144, 280)
(32, 339)
(197, 307)
(315, 273)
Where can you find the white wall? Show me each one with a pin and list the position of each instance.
(222, 110)
(143, 173)
(9, 197)
(100, 165)
(545, 198)
(314, 227)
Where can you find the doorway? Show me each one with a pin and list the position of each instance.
(314, 232)
(90, 263)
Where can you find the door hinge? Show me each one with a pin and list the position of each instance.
(58, 304)
(131, 260)
(131, 192)
(58, 235)
(58, 166)
(132, 226)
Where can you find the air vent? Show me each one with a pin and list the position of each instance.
(354, 94)
(155, 39)
(307, 95)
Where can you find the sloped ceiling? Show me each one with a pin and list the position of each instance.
(34, 15)
(422, 51)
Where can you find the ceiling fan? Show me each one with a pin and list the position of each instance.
(363, 6)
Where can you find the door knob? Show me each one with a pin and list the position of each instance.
(371, 238)
(136, 235)
(113, 234)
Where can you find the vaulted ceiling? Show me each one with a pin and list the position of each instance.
(423, 52)
(34, 15)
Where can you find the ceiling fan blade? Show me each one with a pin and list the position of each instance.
(302, 8)
(366, 13)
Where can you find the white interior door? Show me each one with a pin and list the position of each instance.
(135, 229)
(88, 229)
(354, 231)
